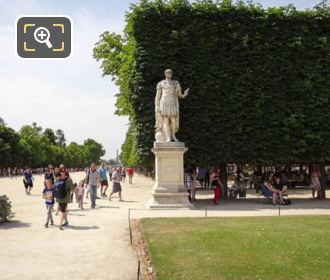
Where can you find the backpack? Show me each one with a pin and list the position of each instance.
(60, 189)
(287, 201)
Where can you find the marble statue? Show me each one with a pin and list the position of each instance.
(167, 108)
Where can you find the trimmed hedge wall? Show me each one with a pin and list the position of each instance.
(259, 79)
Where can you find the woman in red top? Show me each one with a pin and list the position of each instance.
(130, 174)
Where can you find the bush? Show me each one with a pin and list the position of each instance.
(5, 209)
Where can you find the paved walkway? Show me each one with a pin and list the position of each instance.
(96, 244)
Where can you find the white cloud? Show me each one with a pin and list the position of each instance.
(69, 94)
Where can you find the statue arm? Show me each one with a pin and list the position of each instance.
(179, 92)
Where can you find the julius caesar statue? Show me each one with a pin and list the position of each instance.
(167, 108)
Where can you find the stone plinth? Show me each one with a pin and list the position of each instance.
(169, 190)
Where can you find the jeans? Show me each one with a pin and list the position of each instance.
(49, 216)
(80, 199)
(92, 191)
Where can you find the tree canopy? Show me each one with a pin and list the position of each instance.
(32, 146)
(259, 79)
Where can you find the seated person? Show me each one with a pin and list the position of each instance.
(280, 187)
(268, 191)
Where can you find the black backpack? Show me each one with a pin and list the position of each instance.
(60, 189)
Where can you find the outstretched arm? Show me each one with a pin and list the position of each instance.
(179, 92)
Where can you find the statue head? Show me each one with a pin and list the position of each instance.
(168, 73)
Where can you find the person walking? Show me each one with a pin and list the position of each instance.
(103, 179)
(62, 191)
(216, 184)
(28, 180)
(130, 173)
(48, 195)
(110, 173)
(315, 183)
(116, 186)
(80, 194)
(49, 175)
(201, 176)
(188, 182)
(92, 181)
(193, 174)
(123, 175)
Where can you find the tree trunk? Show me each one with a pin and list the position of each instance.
(323, 179)
(224, 180)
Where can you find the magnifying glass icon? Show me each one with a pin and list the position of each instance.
(41, 35)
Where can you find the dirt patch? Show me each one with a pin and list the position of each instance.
(139, 244)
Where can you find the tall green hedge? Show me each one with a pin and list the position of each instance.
(259, 79)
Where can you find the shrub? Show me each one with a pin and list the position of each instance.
(5, 209)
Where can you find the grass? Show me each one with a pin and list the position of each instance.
(296, 247)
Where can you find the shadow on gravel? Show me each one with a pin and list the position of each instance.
(80, 227)
(14, 224)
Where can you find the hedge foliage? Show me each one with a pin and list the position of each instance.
(259, 79)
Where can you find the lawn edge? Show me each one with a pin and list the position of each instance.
(140, 247)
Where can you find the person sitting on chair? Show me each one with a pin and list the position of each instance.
(281, 188)
(268, 191)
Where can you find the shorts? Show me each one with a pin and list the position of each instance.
(116, 187)
(26, 185)
(104, 182)
(63, 207)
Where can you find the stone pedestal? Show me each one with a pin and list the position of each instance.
(169, 190)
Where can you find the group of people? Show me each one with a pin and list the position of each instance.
(59, 188)
(212, 181)
(14, 172)
(271, 184)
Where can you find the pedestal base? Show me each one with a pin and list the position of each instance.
(169, 190)
(169, 201)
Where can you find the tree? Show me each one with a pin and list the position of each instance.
(94, 150)
(128, 156)
(60, 138)
(9, 145)
(50, 135)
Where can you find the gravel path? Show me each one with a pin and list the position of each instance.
(96, 244)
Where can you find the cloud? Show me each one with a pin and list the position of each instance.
(69, 94)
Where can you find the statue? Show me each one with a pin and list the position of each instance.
(167, 108)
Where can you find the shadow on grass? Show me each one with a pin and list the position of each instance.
(14, 224)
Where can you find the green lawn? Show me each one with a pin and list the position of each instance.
(239, 248)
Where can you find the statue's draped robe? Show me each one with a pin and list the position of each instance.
(169, 102)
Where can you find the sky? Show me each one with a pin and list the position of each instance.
(69, 94)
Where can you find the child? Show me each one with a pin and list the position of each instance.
(71, 195)
(80, 194)
(48, 195)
